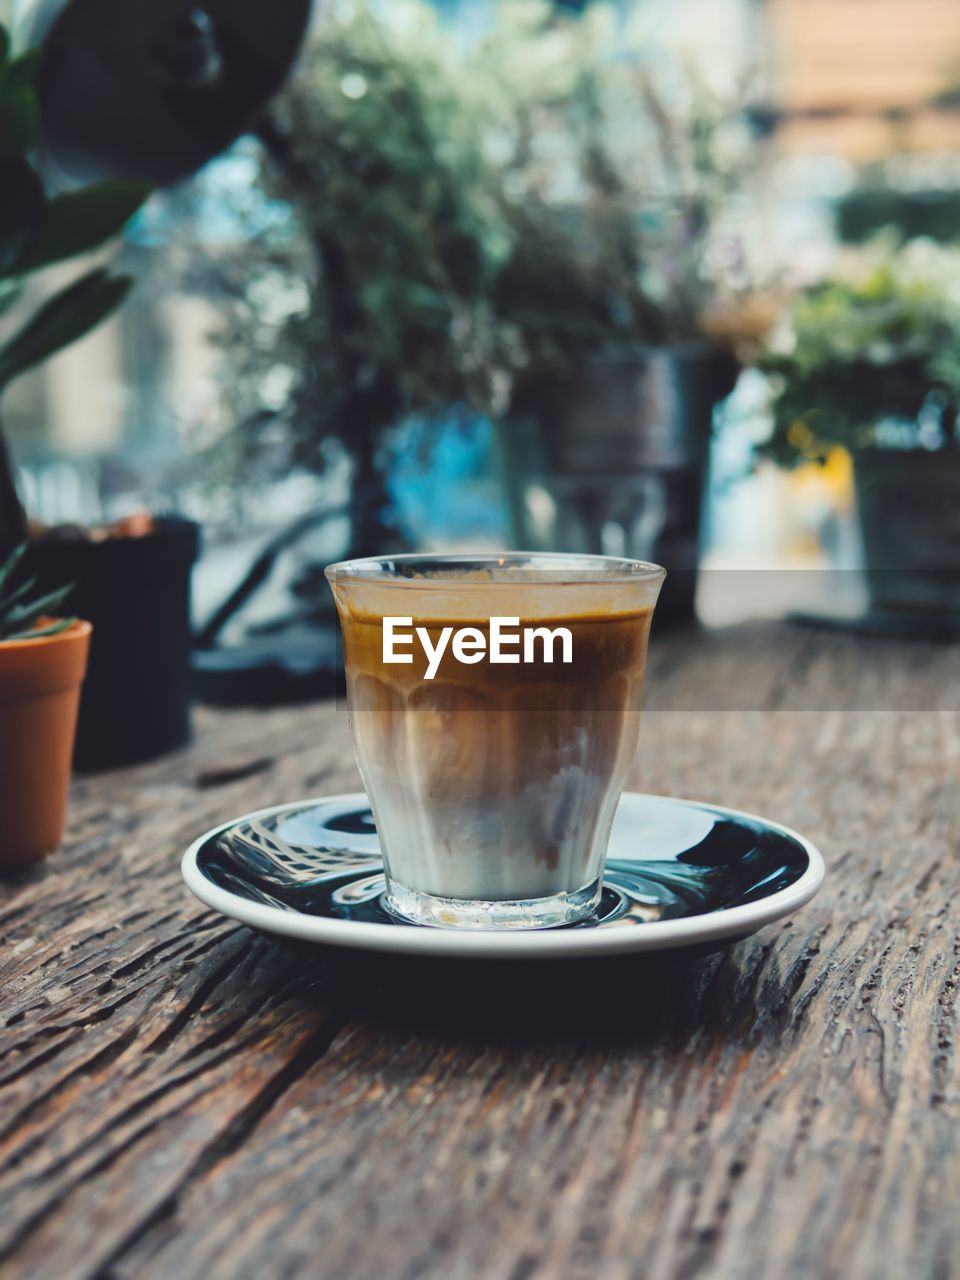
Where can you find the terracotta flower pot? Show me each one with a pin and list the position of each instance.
(39, 696)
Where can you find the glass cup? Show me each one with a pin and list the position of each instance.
(494, 703)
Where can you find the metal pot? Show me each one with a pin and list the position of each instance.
(623, 446)
(909, 507)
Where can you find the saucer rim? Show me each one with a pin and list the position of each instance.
(657, 935)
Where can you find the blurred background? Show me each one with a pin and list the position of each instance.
(678, 279)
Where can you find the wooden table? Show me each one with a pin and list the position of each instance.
(184, 1098)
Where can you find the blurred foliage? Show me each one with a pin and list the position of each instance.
(37, 230)
(473, 218)
(871, 356)
(379, 147)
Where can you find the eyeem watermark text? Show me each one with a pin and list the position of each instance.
(506, 642)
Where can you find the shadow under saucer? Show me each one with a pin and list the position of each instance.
(609, 999)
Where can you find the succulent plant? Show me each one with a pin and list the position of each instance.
(23, 616)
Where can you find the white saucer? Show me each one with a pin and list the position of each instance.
(679, 874)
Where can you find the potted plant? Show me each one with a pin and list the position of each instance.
(378, 272)
(36, 231)
(135, 701)
(630, 278)
(165, 94)
(42, 663)
(870, 361)
(378, 147)
(473, 233)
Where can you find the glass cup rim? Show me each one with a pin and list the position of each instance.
(541, 566)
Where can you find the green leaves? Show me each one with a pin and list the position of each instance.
(8, 569)
(869, 348)
(22, 72)
(18, 120)
(22, 197)
(78, 222)
(38, 633)
(21, 207)
(18, 102)
(21, 619)
(10, 291)
(67, 316)
(19, 72)
(36, 232)
(19, 614)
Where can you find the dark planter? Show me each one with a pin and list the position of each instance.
(626, 442)
(909, 507)
(136, 593)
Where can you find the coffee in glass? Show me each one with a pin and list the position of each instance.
(494, 703)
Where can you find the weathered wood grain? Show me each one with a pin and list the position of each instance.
(181, 1097)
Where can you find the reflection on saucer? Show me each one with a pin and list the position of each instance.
(317, 864)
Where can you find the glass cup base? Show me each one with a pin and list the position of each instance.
(415, 907)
